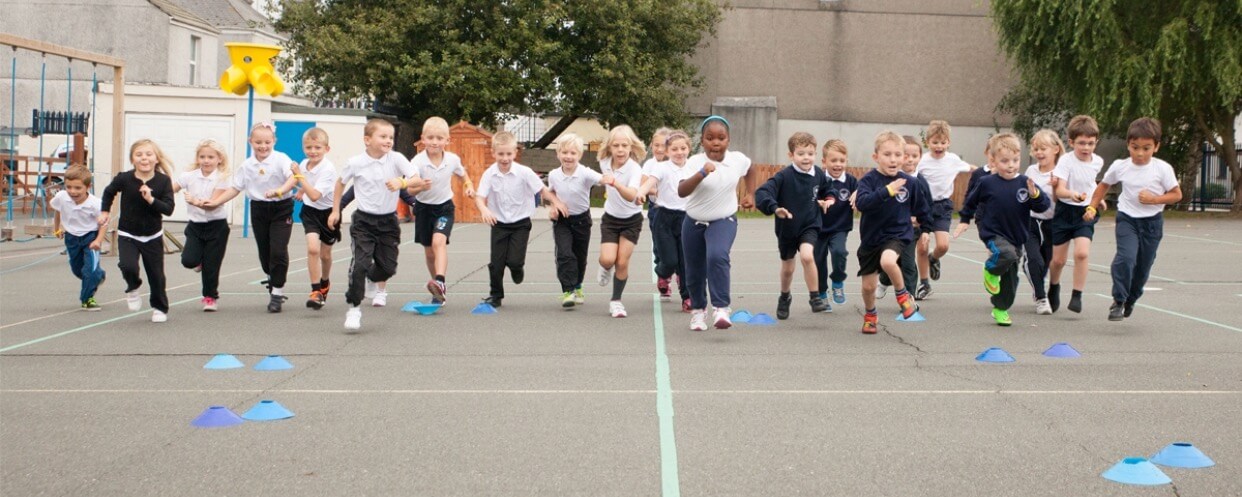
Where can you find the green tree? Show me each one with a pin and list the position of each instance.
(1177, 60)
(626, 61)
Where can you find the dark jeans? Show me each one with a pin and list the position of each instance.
(1038, 255)
(84, 263)
(273, 225)
(572, 236)
(204, 245)
(706, 245)
(653, 211)
(375, 240)
(509, 242)
(1137, 241)
(152, 255)
(670, 254)
(1004, 261)
(831, 244)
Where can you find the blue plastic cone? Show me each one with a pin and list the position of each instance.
(267, 410)
(483, 308)
(742, 316)
(224, 361)
(762, 319)
(273, 363)
(1062, 350)
(994, 354)
(1136, 471)
(917, 317)
(421, 308)
(1182, 455)
(216, 417)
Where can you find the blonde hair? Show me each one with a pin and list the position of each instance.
(888, 136)
(570, 140)
(663, 132)
(375, 124)
(79, 172)
(801, 139)
(836, 145)
(1048, 138)
(637, 150)
(938, 128)
(1004, 141)
(503, 138)
(261, 125)
(315, 134)
(162, 163)
(435, 123)
(223, 168)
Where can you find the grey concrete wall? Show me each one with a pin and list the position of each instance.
(753, 126)
(179, 47)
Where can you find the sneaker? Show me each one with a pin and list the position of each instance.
(933, 267)
(353, 318)
(1129, 309)
(616, 309)
(881, 291)
(1075, 303)
(493, 301)
(437, 289)
(782, 306)
(923, 291)
(1054, 297)
(133, 300)
(838, 293)
(518, 274)
(604, 276)
(324, 290)
(666, 293)
(823, 295)
(380, 299)
(1042, 307)
(158, 317)
(315, 300)
(567, 299)
(90, 305)
(372, 287)
(871, 324)
(723, 321)
(579, 296)
(209, 304)
(991, 282)
(1116, 312)
(906, 302)
(273, 306)
(698, 320)
(685, 305)
(820, 305)
(1001, 317)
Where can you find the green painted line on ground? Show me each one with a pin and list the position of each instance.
(92, 325)
(1178, 314)
(670, 482)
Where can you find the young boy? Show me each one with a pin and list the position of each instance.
(316, 181)
(1147, 185)
(433, 206)
(1074, 182)
(888, 200)
(798, 195)
(835, 223)
(377, 174)
(940, 168)
(1009, 198)
(506, 202)
(572, 183)
(77, 222)
(909, 259)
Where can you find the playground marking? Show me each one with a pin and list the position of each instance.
(670, 482)
(1226, 242)
(111, 391)
(92, 325)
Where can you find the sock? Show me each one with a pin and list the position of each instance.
(925, 281)
(440, 278)
(618, 286)
(786, 295)
(1077, 294)
(902, 291)
(324, 282)
(315, 287)
(814, 295)
(871, 312)
(278, 291)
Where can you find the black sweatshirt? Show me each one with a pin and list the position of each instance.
(1009, 205)
(887, 217)
(840, 217)
(139, 218)
(797, 192)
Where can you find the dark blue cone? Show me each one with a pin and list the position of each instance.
(421, 308)
(1062, 350)
(1136, 471)
(742, 316)
(762, 319)
(273, 363)
(483, 308)
(216, 417)
(267, 410)
(224, 361)
(916, 318)
(1182, 455)
(994, 354)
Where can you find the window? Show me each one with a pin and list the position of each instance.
(195, 47)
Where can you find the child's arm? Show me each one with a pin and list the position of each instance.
(550, 197)
(105, 201)
(969, 207)
(649, 183)
(688, 185)
(870, 198)
(480, 201)
(100, 233)
(165, 202)
(766, 195)
(288, 185)
(221, 197)
(1096, 198)
(466, 183)
(1063, 191)
(1036, 200)
(56, 226)
(1173, 196)
(752, 183)
(338, 191)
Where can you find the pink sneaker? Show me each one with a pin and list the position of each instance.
(663, 287)
(209, 304)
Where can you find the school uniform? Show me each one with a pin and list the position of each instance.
(941, 175)
(1140, 227)
(207, 232)
(140, 230)
(375, 233)
(1039, 235)
(885, 222)
(709, 228)
(908, 259)
(622, 218)
(798, 192)
(572, 234)
(834, 229)
(670, 215)
(1003, 227)
(511, 198)
(653, 210)
(434, 210)
(271, 218)
(80, 223)
(1078, 176)
(315, 213)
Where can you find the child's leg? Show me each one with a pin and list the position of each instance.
(499, 254)
(840, 255)
(153, 261)
(1126, 259)
(1060, 255)
(822, 262)
(869, 283)
(363, 240)
(942, 244)
(314, 259)
(1036, 265)
(909, 265)
(625, 250)
(127, 260)
(664, 237)
(76, 251)
(261, 223)
(888, 264)
(694, 244)
(280, 232)
(192, 251)
(810, 272)
(325, 261)
(1151, 230)
(680, 251)
(924, 261)
(1082, 249)
(580, 233)
(439, 249)
(566, 262)
(1003, 262)
(719, 238)
(787, 270)
(1008, 288)
(214, 245)
(608, 255)
(388, 241)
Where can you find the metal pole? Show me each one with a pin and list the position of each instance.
(1203, 172)
(68, 112)
(39, 191)
(249, 124)
(8, 216)
(94, 91)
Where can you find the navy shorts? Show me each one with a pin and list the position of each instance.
(316, 221)
(1067, 224)
(789, 246)
(941, 216)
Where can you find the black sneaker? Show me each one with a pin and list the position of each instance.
(492, 300)
(1054, 297)
(1116, 312)
(933, 265)
(274, 305)
(820, 305)
(1075, 304)
(1128, 309)
(518, 274)
(782, 306)
(922, 292)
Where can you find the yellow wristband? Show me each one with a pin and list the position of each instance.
(403, 184)
(1036, 193)
(298, 176)
(890, 191)
(1091, 209)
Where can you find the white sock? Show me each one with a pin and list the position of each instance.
(278, 291)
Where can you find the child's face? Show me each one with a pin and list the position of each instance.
(504, 155)
(379, 142)
(1042, 153)
(144, 159)
(835, 162)
(76, 189)
(314, 150)
(889, 156)
(715, 140)
(435, 140)
(619, 149)
(657, 147)
(1005, 163)
(262, 141)
(911, 158)
(938, 145)
(679, 151)
(1084, 146)
(207, 159)
(803, 157)
(568, 155)
(1141, 150)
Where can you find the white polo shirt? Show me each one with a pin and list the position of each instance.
(370, 177)
(204, 188)
(1156, 177)
(941, 173)
(630, 175)
(441, 176)
(323, 179)
(77, 219)
(1078, 176)
(669, 175)
(510, 196)
(574, 189)
(256, 178)
(648, 167)
(1044, 182)
(716, 197)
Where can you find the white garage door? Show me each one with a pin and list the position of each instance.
(177, 136)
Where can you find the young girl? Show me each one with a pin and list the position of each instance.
(207, 233)
(658, 156)
(146, 197)
(267, 179)
(1046, 148)
(711, 221)
(571, 233)
(623, 212)
(670, 214)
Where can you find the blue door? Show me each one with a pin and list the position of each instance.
(289, 140)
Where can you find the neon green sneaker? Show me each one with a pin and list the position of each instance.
(1001, 317)
(567, 299)
(90, 305)
(991, 282)
(579, 296)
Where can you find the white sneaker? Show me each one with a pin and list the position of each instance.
(698, 320)
(158, 317)
(616, 308)
(723, 321)
(881, 291)
(380, 299)
(133, 300)
(372, 288)
(1042, 307)
(353, 318)
(605, 276)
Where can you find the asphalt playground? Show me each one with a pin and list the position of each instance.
(537, 400)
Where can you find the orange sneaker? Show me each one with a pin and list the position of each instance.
(871, 323)
(315, 300)
(907, 305)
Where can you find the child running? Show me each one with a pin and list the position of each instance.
(1046, 148)
(836, 223)
(909, 258)
(316, 182)
(658, 155)
(623, 212)
(664, 178)
(940, 168)
(146, 197)
(1074, 217)
(572, 183)
(434, 210)
(207, 232)
(77, 222)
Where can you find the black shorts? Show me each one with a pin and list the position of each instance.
(1067, 224)
(613, 229)
(869, 257)
(316, 221)
(788, 246)
(941, 216)
(430, 219)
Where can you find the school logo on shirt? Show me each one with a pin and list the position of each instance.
(815, 192)
(843, 194)
(902, 195)
(1023, 195)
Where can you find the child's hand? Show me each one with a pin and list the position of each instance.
(59, 232)
(295, 169)
(1030, 187)
(561, 207)
(1080, 197)
(825, 204)
(96, 244)
(895, 186)
(190, 199)
(783, 213)
(333, 219)
(709, 168)
(1103, 205)
(393, 184)
(914, 221)
(1053, 181)
(961, 228)
(853, 196)
(553, 214)
(271, 193)
(146, 193)
(488, 217)
(419, 184)
(1146, 197)
(1088, 215)
(608, 180)
(748, 202)
(469, 192)
(300, 195)
(103, 218)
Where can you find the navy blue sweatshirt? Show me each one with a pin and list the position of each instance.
(924, 192)
(139, 218)
(1003, 207)
(798, 192)
(887, 217)
(975, 176)
(840, 217)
